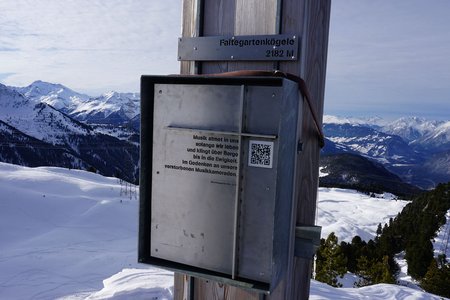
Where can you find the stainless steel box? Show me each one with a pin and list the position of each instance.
(218, 166)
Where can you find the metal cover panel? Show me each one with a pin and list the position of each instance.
(197, 106)
(259, 186)
(196, 215)
(194, 175)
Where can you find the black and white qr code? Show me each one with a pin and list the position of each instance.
(260, 154)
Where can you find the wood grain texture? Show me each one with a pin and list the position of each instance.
(218, 20)
(254, 17)
(190, 27)
(205, 289)
(312, 70)
(310, 20)
(292, 22)
(180, 287)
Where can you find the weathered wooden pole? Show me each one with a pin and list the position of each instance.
(309, 20)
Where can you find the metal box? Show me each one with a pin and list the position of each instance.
(218, 166)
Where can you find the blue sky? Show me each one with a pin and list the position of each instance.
(389, 58)
(386, 58)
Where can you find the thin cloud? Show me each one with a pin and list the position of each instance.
(91, 45)
(4, 49)
(5, 75)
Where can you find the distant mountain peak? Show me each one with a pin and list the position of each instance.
(412, 147)
(11, 98)
(411, 128)
(113, 96)
(120, 107)
(54, 94)
(110, 94)
(45, 83)
(367, 121)
(43, 88)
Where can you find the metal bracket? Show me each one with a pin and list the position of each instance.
(307, 240)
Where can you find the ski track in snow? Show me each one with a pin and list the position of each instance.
(63, 232)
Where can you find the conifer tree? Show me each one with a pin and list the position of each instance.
(385, 272)
(372, 271)
(331, 262)
(419, 255)
(364, 266)
(379, 229)
(437, 279)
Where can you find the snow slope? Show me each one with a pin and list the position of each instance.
(133, 284)
(69, 234)
(321, 291)
(441, 243)
(40, 121)
(348, 213)
(63, 231)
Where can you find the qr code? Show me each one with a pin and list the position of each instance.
(260, 154)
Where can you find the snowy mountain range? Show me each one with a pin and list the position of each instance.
(35, 133)
(415, 149)
(110, 108)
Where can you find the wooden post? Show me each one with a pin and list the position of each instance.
(309, 19)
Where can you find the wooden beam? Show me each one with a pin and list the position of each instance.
(254, 17)
(312, 68)
(191, 27)
(218, 20)
(310, 20)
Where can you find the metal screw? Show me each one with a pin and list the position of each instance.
(195, 48)
(232, 57)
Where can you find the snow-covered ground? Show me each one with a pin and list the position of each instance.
(403, 278)
(63, 231)
(69, 234)
(441, 243)
(321, 291)
(348, 213)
